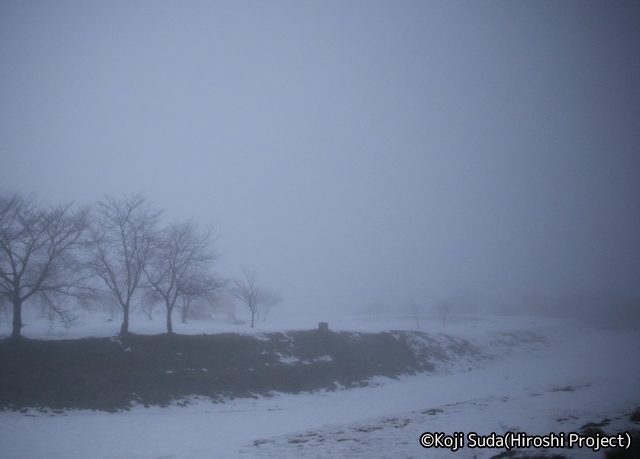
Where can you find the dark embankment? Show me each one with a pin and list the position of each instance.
(110, 373)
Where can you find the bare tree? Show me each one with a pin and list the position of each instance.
(223, 301)
(149, 303)
(184, 308)
(247, 291)
(180, 267)
(37, 255)
(443, 308)
(416, 311)
(266, 300)
(123, 237)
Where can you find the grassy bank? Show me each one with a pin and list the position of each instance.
(110, 373)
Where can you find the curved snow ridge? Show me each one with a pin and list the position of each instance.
(398, 434)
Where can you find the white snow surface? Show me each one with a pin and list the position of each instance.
(547, 376)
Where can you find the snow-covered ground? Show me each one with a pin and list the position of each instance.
(573, 376)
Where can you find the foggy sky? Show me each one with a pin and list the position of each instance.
(348, 151)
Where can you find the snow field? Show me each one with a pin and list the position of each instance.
(545, 376)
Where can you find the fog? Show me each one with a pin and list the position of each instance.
(349, 152)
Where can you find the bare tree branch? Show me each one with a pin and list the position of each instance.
(443, 308)
(38, 253)
(416, 311)
(123, 238)
(181, 266)
(247, 291)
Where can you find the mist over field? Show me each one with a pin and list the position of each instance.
(349, 152)
(453, 186)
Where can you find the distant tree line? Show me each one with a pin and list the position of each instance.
(61, 257)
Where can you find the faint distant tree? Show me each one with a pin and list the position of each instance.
(443, 308)
(266, 300)
(123, 236)
(149, 303)
(416, 311)
(223, 301)
(184, 307)
(38, 249)
(180, 268)
(247, 291)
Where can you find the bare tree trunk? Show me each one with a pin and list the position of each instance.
(124, 329)
(17, 319)
(178, 269)
(169, 324)
(247, 292)
(37, 253)
(123, 239)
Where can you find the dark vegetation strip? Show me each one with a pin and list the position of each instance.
(110, 373)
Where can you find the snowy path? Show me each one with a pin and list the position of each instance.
(603, 368)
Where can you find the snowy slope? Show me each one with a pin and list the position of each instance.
(546, 376)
